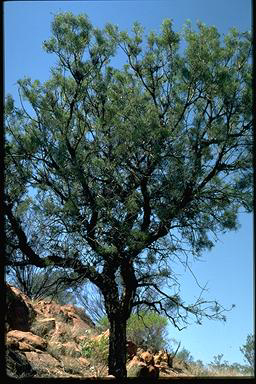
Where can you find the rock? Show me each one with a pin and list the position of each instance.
(51, 347)
(42, 361)
(84, 361)
(26, 340)
(81, 315)
(78, 326)
(134, 362)
(74, 317)
(80, 339)
(131, 349)
(99, 337)
(48, 321)
(162, 357)
(17, 364)
(44, 327)
(71, 349)
(147, 357)
(61, 333)
(143, 370)
(12, 343)
(139, 351)
(20, 313)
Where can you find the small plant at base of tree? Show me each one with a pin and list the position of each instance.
(96, 350)
(146, 329)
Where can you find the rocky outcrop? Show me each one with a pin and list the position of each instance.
(131, 349)
(20, 312)
(17, 365)
(41, 335)
(45, 339)
(25, 341)
(143, 365)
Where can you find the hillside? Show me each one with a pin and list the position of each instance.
(45, 339)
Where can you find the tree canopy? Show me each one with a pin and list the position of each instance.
(122, 170)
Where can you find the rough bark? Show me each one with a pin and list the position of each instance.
(118, 307)
(117, 347)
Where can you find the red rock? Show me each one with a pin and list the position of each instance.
(27, 338)
(135, 361)
(42, 360)
(70, 348)
(84, 361)
(147, 357)
(20, 313)
(99, 337)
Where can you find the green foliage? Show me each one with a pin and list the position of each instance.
(40, 284)
(185, 356)
(129, 168)
(146, 329)
(248, 350)
(217, 363)
(96, 350)
(224, 367)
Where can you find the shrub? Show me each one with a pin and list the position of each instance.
(146, 329)
(97, 350)
(41, 329)
(248, 350)
(185, 356)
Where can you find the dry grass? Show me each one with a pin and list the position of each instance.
(202, 371)
(41, 329)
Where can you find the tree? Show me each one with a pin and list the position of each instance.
(145, 329)
(218, 364)
(248, 350)
(92, 301)
(128, 170)
(185, 356)
(148, 329)
(38, 284)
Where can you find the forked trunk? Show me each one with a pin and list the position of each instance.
(117, 347)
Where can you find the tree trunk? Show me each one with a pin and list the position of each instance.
(117, 347)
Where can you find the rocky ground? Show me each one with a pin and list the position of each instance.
(44, 339)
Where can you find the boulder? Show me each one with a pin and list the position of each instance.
(134, 362)
(144, 370)
(99, 337)
(17, 365)
(147, 357)
(42, 361)
(71, 349)
(26, 340)
(20, 313)
(143, 365)
(44, 327)
(131, 349)
(162, 357)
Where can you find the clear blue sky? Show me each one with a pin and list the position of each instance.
(228, 268)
